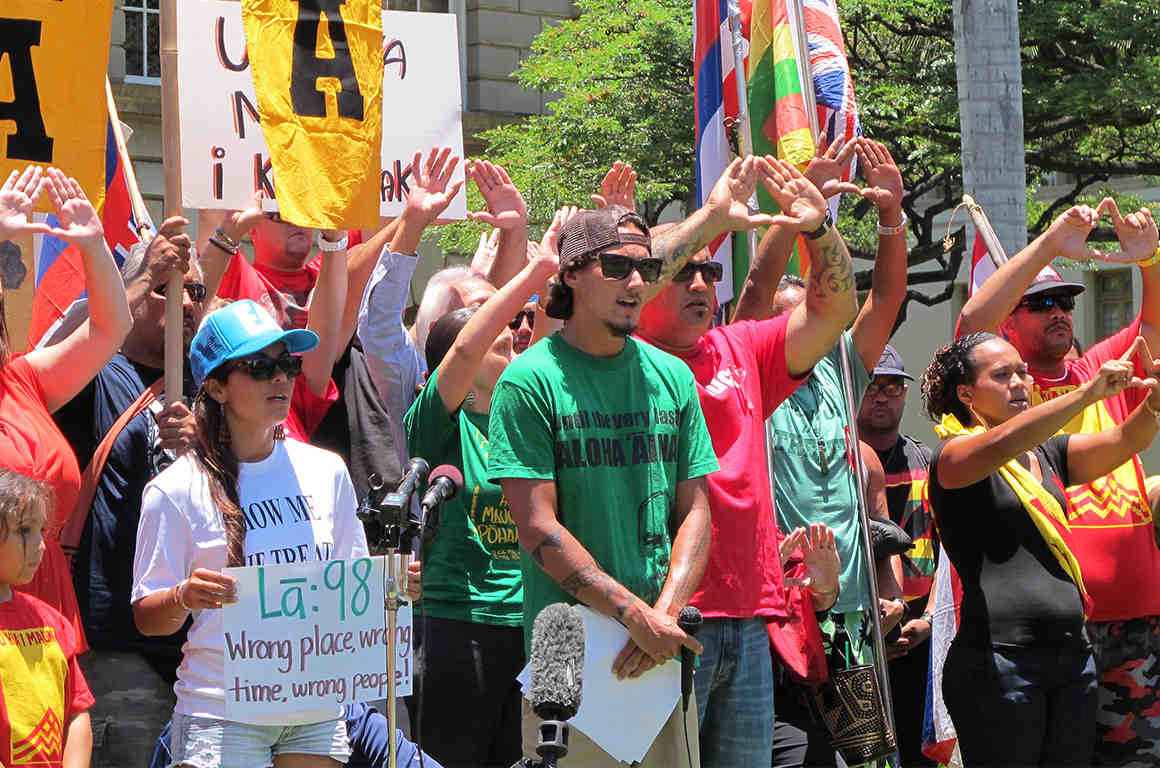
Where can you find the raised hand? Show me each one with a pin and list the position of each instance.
(826, 169)
(550, 243)
(506, 209)
(802, 206)
(1117, 375)
(431, 187)
(237, 224)
(1136, 232)
(79, 222)
(17, 196)
(728, 202)
(168, 251)
(883, 179)
(618, 187)
(485, 252)
(1069, 232)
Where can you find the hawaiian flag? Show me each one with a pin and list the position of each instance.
(59, 268)
(833, 85)
(939, 740)
(715, 100)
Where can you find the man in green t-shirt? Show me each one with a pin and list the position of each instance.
(601, 448)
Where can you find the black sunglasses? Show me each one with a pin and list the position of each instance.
(616, 266)
(518, 320)
(711, 272)
(1048, 303)
(263, 368)
(196, 291)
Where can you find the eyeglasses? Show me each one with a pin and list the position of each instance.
(263, 368)
(518, 320)
(196, 291)
(616, 266)
(1048, 303)
(711, 272)
(890, 388)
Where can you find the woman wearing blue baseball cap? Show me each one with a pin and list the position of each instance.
(299, 505)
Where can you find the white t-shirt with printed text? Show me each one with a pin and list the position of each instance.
(299, 505)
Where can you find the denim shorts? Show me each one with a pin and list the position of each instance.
(202, 742)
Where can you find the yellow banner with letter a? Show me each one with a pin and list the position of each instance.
(53, 59)
(318, 75)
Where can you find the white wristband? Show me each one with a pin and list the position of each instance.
(898, 230)
(327, 246)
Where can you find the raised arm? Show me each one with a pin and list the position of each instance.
(431, 192)
(726, 209)
(218, 235)
(458, 369)
(1090, 456)
(64, 369)
(507, 212)
(968, 459)
(875, 322)
(360, 264)
(998, 296)
(325, 318)
(1140, 245)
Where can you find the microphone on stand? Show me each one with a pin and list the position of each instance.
(416, 474)
(689, 620)
(443, 484)
(557, 661)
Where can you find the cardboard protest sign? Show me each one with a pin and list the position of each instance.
(307, 638)
(317, 67)
(224, 155)
(53, 59)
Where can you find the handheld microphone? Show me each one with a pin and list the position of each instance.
(689, 620)
(557, 661)
(415, 476)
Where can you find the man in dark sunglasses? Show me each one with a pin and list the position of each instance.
(1111, 520)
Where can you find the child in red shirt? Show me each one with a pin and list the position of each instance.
(44, 698)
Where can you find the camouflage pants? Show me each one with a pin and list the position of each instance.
(1128, 719)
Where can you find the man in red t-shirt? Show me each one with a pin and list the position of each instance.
(743, 371)
(1111, 520)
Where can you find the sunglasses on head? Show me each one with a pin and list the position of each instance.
(1048, 303)
(616, 266)
(518, 320)
(196, 291)
(263, 368)
(711, 272)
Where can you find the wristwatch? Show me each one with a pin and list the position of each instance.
(326, 246)
(822, 229)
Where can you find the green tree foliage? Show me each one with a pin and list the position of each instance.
(623, 74)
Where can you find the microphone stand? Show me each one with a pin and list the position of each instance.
(553, 745)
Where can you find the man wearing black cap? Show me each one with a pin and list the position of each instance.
(905, 462)
(601, 448)
(1111, 520)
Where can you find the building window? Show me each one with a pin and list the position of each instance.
(1113, 304)
(142, 41)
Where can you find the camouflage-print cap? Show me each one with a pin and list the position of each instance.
(591, 232)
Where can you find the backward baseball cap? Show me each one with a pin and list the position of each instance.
(591, 232)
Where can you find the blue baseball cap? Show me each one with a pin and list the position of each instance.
(890, 364)
(237, 330)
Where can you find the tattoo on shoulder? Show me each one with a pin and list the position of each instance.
(552, 540)
(834, 272)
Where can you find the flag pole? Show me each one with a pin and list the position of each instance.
(136, 201)
(171, 158)
(983, 226)
(745, 137)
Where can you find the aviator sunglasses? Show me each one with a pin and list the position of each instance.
(616, 266)
(262, 368)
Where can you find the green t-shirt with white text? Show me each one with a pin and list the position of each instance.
(471, 570)
(616, 435)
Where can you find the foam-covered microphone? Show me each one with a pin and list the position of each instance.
(689, 620)
(557, 661)
(442, 484)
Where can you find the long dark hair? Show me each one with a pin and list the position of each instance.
(951, 366)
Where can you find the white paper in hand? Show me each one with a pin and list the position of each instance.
(623, 717)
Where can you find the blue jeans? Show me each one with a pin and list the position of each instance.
(734, 684)
(368, 741)
(1015, 706)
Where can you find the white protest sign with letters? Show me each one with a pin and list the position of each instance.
(224, 158)
(307, 638)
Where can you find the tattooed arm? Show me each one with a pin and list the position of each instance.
(830, 305)
(690, 548)
(726, 209)
(564, 558)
